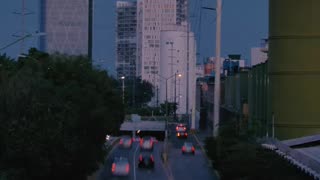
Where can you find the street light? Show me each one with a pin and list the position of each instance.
(166, 125)
(175, 95)
(122, 78)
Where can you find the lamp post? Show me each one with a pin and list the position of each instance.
(166, 101)
(175, 95)
(122, 78)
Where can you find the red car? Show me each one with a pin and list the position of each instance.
(181, 131)
(181, 127)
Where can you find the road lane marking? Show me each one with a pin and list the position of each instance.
(199, 143)
(134, 162)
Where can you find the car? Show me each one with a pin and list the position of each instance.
(181, 131)
(188, 148)
(120, 166)
(146, 160)
(181, 134)
(125, 142)
(181, 127)
(146, 143)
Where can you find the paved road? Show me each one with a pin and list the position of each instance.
(178, 167)
(187, 166)
(135, 173)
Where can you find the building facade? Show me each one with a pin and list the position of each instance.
(174, 62)
(126, 39)
(259, 54)
(67, 26)
(155, 16)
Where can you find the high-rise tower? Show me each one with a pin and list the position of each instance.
(67, 25)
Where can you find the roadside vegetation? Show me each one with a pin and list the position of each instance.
(55, 112)
(236, 155)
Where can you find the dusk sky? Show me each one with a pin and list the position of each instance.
(244, 24)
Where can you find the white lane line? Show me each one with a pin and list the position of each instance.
(134, 162)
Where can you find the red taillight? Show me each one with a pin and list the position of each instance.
(121, 141)
(151, 157)
(177, 128)
(192, 148)
(140, 158)
(127, 167)
(184, 128)
(183, 148)
(113, 169)
(186, 134)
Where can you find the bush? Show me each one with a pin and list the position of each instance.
(236, 158)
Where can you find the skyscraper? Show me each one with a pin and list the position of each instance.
(154, 16)
(126, 41)
(67, 25)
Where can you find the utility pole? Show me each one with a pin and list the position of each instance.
(187, 90)
(22, 25)
(217, 72)
(90, 31)
(175, 97)
(23, 34)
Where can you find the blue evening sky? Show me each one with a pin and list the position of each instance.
(244, 24)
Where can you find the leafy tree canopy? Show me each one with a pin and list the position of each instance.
(55, 111)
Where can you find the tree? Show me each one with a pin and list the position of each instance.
(54, 113)
(138, 92)
(172, 107)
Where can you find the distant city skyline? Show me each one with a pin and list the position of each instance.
(244, 24)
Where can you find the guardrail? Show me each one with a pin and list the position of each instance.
(301, 161)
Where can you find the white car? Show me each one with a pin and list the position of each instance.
(146, 143)
(120, 166)
(188, 148)
(126, 142)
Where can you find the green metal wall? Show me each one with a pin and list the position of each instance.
(294, 69)
(258, 96)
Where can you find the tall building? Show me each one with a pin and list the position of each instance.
(67, 25)
(174, 62)
(153, 16)
(161, 28)
(126, 41)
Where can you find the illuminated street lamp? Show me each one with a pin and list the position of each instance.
(175, 94)
(122, 78)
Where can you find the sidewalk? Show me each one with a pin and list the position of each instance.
(200, 137)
